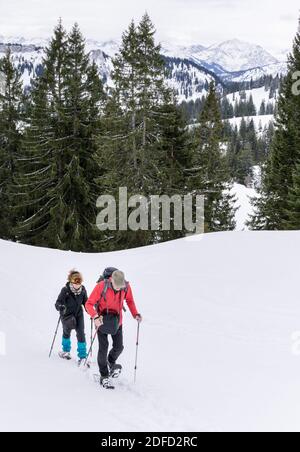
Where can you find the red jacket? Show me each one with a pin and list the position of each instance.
(114, 301)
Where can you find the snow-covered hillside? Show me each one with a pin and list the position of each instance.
(233, 60)
(216, 346)
(188, 81)
(275, 70)
(28, 58)
(243, 196)
(258, 95)
(223, 60)
(260, 122)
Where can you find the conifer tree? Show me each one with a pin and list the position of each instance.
(251, 107)
(60, 148)
(262, 110)
(293, 202)
(11, 113)
(210, 175)
(271, 209)
(138, 119)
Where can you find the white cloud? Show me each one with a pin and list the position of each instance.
(269, 23)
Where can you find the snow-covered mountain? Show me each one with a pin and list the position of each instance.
(188, 80)
(27, 58)
(229, 56)
(190, 68)
(110, 47)
(236, 55)
(276, 69)
(104, 63)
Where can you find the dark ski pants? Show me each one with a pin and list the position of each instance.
(113, 354)
(69, 324)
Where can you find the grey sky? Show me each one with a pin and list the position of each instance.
(269, 23)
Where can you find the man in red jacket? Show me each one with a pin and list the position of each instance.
(105, 306)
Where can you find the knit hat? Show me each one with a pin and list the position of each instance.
(118, 280)
(75, 277)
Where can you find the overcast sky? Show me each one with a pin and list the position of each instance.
(270, 23)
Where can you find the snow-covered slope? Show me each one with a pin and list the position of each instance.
(189, 81)
(216, 346)
(274, 69)
(260, 122)
(258, 95)
(234, 61)
(28, 58)
(243, 197)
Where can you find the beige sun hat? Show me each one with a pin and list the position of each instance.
(118, 280)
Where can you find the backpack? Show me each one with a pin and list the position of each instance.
(106, 275)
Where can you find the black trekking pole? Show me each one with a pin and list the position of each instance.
(54, 337)
(136, 354)
(91, 347)
(92, 322)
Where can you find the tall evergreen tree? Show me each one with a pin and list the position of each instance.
(60, 148)
(176, 155)
(293, 202)
(271, 210)
(210, 175)
(251, 107)
(11, 108)
(138, 120)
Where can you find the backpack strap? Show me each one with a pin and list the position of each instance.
(105, 289)
(103, 294)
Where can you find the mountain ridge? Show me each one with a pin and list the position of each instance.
(192, 68)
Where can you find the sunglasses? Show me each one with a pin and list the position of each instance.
(77, 282)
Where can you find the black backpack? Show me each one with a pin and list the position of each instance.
(105, 277)
(107, 274)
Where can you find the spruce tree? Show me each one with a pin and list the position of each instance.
(271, 209)
(60, 149)
(262, 110)
(139, 116)
(11, 114)
(175, 152)
(251, 107)
(209, 175)
(293, 202)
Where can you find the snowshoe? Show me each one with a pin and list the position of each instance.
(114, 370)
(82, 362)
(65, 355)
(106, 383)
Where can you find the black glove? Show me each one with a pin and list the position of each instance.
(62, 309)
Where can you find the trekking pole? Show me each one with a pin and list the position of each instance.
(92, 335)
(91, 347)
(136, 354)
(54, 337)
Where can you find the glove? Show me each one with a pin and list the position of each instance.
(98, 322)
(139, 318)
(62, 309)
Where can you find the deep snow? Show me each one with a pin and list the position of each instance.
(216, 348)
